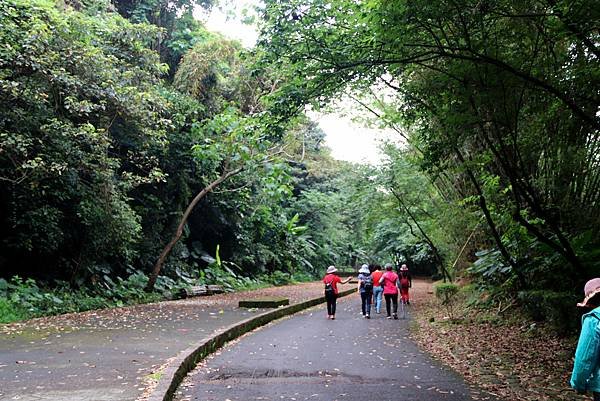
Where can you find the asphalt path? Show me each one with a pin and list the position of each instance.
(100, 361)
(308, 357)
(111, 354)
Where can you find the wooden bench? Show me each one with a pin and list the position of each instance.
(215, 289)
(201, 290)
(266, 302)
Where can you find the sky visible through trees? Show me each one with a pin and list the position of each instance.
(348, 139)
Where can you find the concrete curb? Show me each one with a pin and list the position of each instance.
(187, 360)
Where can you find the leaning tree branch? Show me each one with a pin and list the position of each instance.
(182, 222)
(437, 254)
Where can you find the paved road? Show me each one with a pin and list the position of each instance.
(106, 355)
(307, 357)
(98, 363)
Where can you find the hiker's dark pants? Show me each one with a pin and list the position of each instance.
(330, 298)
(596, 396)
(394, 299)
(365, 297)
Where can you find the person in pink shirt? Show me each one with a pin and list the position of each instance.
(389, 280)
(331, 281)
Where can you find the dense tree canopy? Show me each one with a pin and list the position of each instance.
(129, 132)
(498, 103)
(104, 146)
(82, 116)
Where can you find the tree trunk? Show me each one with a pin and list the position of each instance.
(167, 249)
(437, 254)
(488, 216)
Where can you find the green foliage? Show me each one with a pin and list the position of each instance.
(447, 293)
(79, 95)
(279, 278)
(9, 312)
(491, 266)
(175, 18)
(23, 299)
(303, 277)
(506, 132)
(207, 71)
(557, 308)
(230, 280)
(126, 290)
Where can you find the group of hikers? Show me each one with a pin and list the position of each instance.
(373, 285)
(373, 282)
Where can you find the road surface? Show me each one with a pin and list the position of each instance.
(307, 357)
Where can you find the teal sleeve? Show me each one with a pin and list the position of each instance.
(587, 353)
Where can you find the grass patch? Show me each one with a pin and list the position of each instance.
(10, 312)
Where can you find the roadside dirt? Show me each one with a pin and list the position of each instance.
(517, 361)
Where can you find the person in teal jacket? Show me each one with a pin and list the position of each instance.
(586, 370)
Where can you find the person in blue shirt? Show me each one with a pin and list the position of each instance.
(586, 370)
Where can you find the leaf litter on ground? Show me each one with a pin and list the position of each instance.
(510, 359)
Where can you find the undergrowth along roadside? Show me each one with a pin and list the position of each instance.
(26, 299)
(505, 354)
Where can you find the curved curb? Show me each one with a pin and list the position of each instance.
(187, 360)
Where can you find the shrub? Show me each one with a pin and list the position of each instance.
(302, 277)
(10, 312)
(278, 278)
(557, 308)
(24, 299)
(447, 294)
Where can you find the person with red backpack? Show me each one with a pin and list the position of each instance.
(405, 284)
